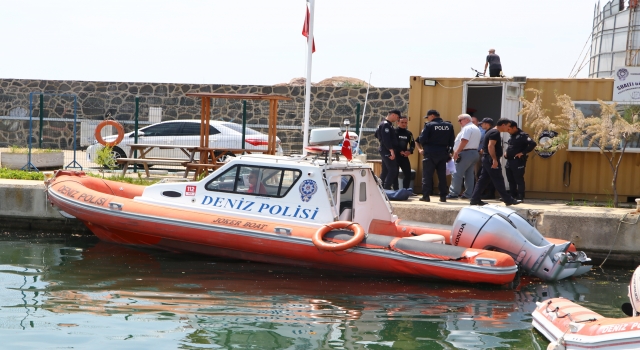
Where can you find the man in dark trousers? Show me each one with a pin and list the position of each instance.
(493, 62)
(490, 191)
(520, 144)
(406, 145)
(388, 146)
(491, 169)
(437, 139)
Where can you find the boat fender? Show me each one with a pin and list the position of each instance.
(556, 345)
(634, 292)
(358, 236)
(116, 125)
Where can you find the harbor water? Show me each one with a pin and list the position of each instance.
(64, 291)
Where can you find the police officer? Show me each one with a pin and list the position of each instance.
(520, 144)
(437, 139)
(491, 170)
(406, 145)
(388, 146)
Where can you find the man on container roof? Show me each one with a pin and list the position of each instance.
(493, 62)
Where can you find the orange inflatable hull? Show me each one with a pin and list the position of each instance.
(110, 211)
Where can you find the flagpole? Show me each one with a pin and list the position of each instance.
(307, 98)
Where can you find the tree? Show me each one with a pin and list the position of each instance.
(610, 133)
(105, 158)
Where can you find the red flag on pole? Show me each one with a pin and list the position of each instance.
(305, 31)
(346, 146)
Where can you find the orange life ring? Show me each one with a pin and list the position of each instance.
(358, 236)
(116, 125)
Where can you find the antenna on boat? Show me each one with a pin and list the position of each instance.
(364, 110)
(307, 84)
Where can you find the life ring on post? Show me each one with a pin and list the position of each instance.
(116, 125)
(358, 236)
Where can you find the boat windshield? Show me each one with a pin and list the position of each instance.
(255, 180)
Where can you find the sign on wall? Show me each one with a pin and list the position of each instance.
(545, 143)
(626, 84)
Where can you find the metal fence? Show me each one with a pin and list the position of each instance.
(67, 122)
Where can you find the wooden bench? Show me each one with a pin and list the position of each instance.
(145, 163)
(152, 160)
(164, 160)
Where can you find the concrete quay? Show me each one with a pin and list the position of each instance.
(601, 232)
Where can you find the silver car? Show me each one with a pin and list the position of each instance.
(223, 135)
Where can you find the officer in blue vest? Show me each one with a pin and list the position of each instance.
(437, 139)
(406, 145)
(520, 145)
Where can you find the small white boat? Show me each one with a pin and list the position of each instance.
(569, 326)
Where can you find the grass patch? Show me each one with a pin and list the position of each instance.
(34, 175)
(22, 150)
(20, 174)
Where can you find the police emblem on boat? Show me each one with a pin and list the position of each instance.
(307, 189)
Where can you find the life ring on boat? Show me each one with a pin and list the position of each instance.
(116, 125)
(358, 236)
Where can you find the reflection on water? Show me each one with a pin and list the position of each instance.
(78, 292)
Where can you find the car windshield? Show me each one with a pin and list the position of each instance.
(238, 128)
(193, 129)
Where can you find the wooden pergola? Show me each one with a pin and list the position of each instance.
(205, 151)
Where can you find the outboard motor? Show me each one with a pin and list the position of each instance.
(576, 261)
(522, 225)
(501, 229)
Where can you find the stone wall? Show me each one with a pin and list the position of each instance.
(93, 100)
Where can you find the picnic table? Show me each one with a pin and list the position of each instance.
(208, 158)
(143, 158)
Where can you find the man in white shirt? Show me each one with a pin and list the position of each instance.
(465, 154)
(476, 122)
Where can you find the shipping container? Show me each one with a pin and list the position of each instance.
(583, 174)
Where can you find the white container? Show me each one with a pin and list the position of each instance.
(325, 137)
(39, 160)
(155, 115)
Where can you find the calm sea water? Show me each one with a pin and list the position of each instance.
(76, 292)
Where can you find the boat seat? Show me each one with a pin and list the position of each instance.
(346, 210)
(346, 215)
(346, 205)
(428, 237)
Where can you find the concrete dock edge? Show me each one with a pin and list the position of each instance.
(600, 232)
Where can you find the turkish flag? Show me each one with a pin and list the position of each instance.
(305, 31)
(346, 146)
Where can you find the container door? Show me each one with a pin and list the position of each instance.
(343, 196)
(484, 98)
(365, 203)
(511, 101)
(511, 93)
